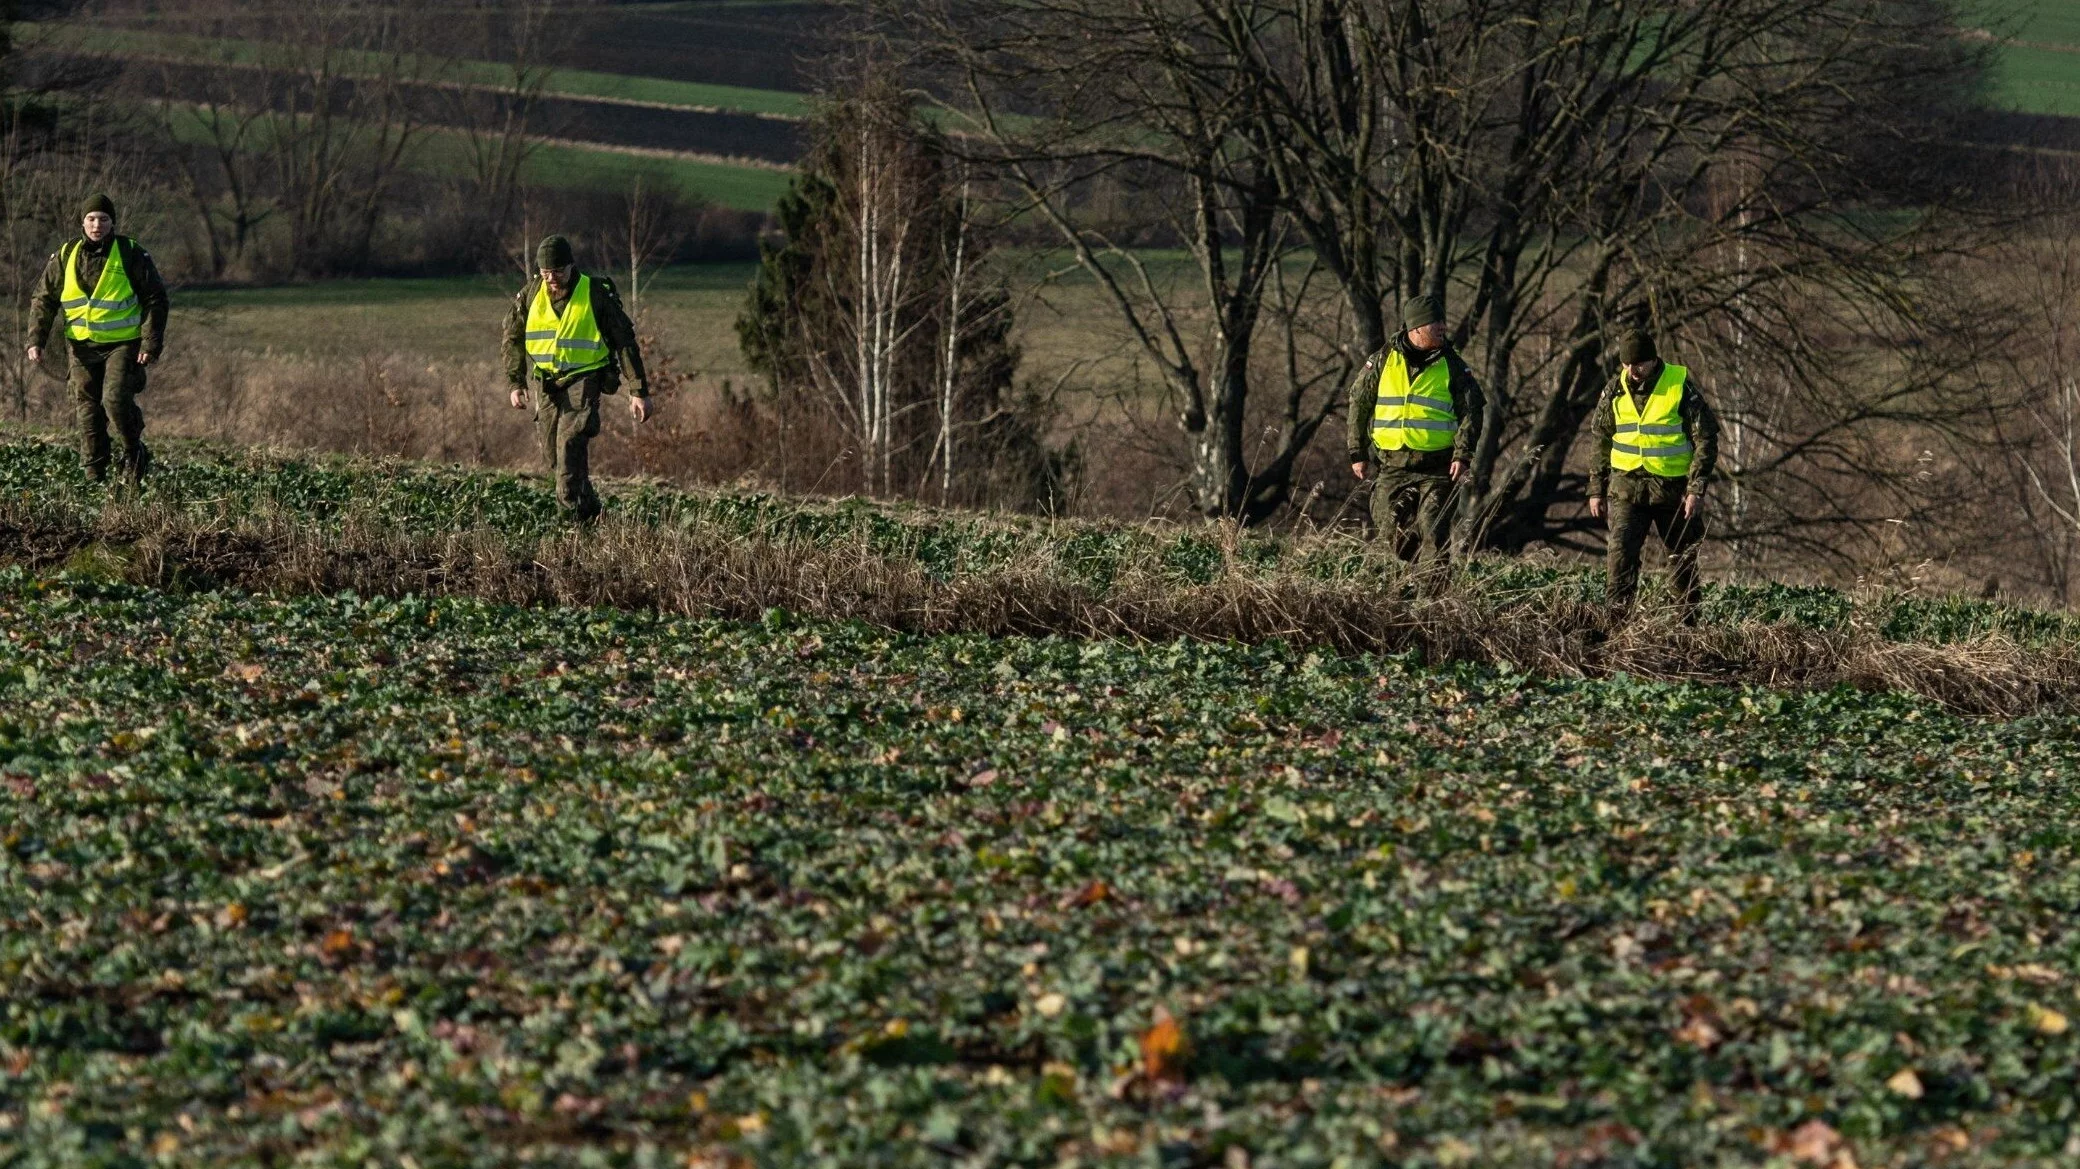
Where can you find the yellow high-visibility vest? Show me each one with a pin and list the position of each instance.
(1415, 414)
(566, 346)
(1653, 438)
(111, 314)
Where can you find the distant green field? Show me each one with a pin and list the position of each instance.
(682, 278)
(2055, 22)
(744, 188)
(692, 308)
(586, 83)
(576, 83)
(2039, 80)
(2039, 70)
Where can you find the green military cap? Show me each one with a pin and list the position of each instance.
(555, 252)
(1636, 346)
(97, 202)
(1421, 310)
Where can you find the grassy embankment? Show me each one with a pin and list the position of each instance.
(303, 526)
(304, 875)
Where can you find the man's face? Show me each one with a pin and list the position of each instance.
(1427, 336)
(98, 225)
(1641, 371)
(559, 279)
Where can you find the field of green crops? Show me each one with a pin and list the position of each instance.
(2038, 70)
(690, 159)
(340, 880)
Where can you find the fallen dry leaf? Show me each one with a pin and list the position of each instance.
(1905, 1083)
(1087, 896)
(1698, 1033)
(1815, 1143)
(1164, 1048)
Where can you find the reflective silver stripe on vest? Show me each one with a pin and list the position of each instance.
(542, 335)
(70, 304)
(113, 305)
(1659, 428)
(112, 326)
(1652, 452)
(1416, 399)
(574, 343)
(1416, 424)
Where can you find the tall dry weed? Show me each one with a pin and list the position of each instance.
(704, 569)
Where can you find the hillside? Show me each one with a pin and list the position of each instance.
(705, 98)
(709, 96)
(305, 874)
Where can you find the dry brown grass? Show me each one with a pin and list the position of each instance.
(705, 570)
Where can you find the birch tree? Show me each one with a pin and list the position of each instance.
(877, 306)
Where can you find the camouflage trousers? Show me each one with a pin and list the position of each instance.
(1639, 508)
(105, 385)
(565, 420)
(1413, 510)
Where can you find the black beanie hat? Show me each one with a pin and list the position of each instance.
(1636, 346)
(555, 252)
(1418, 311)
(97, 202)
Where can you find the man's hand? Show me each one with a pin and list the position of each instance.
(1692, 504)
(144, 358)
(639, 409)
(1458, 469)
(1358, 469)
(1596, 507)
(519, 398)
(35, 355)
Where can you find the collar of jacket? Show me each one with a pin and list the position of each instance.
(1626, 383)
(93, 248)
(556, 298)
(1418, 359)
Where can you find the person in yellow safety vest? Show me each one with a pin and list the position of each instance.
(1415, 418)
(114, 306)
(1656, 444)
(568, 336)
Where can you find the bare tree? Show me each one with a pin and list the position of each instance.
(495, 122)
(220, 168)
(1136, 101)
(1560, 167)
(2042, 418)
(875, 306)
(959, 273)
(305, 117)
